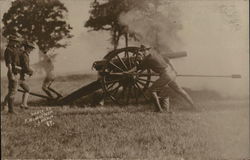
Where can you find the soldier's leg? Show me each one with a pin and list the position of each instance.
(4, 104)
(167, 76)
(25, 97)
(165, 103)
(52, 90)
(157, 102)
(156, 87)
(12, 92)
(164, 98)
(181, 91)
(45, 87)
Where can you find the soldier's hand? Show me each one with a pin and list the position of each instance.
(12, 77)
(30, 73)
(17, 69)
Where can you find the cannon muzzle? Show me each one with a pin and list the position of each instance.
(236, 76)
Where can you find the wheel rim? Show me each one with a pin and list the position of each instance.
(125, 89)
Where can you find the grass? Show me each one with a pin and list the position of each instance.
(219, 130)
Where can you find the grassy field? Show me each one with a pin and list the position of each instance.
(219, 129)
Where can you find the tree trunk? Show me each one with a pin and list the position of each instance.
(114, 39)
(126, 40)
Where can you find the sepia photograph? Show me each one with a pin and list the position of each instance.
(125, 79)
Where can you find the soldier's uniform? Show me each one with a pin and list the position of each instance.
(11, 57)
(49, 76)
(26, 70)
(167, 76)
(19, 62)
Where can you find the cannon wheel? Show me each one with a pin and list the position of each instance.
(123, 88)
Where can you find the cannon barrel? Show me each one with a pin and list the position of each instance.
(174, 55)
(98, 65)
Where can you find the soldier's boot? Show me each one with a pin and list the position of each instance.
(101, 102)
(11, 106)
(157, 102)
(4, 105)
(24, 104)
(165, 104)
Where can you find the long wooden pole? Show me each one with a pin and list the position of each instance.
(180, 75)
(35, 94)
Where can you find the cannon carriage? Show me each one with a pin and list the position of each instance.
(116, 85)
(125, 88)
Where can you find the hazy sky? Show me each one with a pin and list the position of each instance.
(214, 34)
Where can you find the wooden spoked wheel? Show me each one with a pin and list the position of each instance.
(124, 88)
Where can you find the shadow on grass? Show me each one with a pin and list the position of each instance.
(83, 107)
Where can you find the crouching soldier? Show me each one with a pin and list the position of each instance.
(167, 76)
(17, 64)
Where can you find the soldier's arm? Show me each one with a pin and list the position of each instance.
(26, 66)
(142, 65)
(7, 57)
(9, 68)
(8, 61)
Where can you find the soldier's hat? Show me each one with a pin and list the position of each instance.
(14, 38)
(29, 44)
(143, 47)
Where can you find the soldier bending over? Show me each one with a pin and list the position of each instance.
(167, 76)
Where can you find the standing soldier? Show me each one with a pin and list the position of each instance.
(14, 61)
(167, 76)
(11, 57)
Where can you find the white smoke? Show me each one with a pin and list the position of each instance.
(212, 32)
(155, 28)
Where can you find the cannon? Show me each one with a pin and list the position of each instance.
(117, 85)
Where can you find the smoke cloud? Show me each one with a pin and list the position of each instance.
(155, 28)
(213, 34)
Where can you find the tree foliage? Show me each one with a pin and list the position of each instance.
(105, 16)
(39, 21)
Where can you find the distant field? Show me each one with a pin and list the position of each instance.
(219, 129)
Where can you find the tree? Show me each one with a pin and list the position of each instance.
(105, 16)
(39, 21)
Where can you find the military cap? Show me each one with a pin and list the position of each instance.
(14, 38)
(29, 44)
(144, 47)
